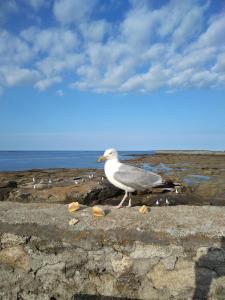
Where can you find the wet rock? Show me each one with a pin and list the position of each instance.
(6, 188)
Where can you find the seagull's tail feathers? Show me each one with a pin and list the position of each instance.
(166, 184)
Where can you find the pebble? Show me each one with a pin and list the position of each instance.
(73, 222)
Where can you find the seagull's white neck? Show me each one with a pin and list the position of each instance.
(111, 164)
(112, 160)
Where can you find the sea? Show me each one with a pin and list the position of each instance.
(27, 160)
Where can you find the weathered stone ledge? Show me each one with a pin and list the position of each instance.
(170, 253)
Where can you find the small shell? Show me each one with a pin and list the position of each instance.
(144, 209)
(97, 211)
(73, 222)
(73, 206)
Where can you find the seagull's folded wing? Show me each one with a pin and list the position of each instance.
(136, 178)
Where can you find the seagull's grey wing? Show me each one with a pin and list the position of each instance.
(136, 178)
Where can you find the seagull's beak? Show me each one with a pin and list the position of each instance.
(101, 158)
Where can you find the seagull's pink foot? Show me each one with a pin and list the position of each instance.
(118, 206)
(129, 204)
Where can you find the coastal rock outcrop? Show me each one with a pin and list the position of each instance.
(175, 250)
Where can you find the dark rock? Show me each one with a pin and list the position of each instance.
(12, 184)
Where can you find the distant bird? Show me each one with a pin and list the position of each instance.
(176, 191)
(91, 176)
(34, 186)
(126, 177)
(157, 202)
(49, 181)
(167, 202)
(34, 180)
(75, 182)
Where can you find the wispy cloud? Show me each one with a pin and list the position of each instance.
(60, 93)
(175, 46)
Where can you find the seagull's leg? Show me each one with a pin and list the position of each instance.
(121, 203)
(129, 204)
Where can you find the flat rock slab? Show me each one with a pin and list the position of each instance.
(161, 224)
(169, 253)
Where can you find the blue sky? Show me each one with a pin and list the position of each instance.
(129, 74)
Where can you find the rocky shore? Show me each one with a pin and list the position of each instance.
(175, 251)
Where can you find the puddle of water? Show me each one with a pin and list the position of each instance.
(158, 168)
(195, 179)
(200, 177)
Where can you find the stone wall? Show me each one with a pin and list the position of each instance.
(170, 253)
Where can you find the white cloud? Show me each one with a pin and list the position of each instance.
(171, 47)
(220, 63)
(19, 76)
(13, 50)
(194, 78)
(35, 4)
(55, 41)
(44, 84)
(95, 31)
(54, 65)
(194, 58)
(154, 79)
(72, 11)
(214, 35)
(192, 20)
(137, 27)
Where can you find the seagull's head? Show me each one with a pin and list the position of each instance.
(109, 154)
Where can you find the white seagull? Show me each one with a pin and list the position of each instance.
(126, 177)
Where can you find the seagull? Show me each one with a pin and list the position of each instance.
(126, 177)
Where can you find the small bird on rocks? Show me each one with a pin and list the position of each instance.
(157, 202)
(167, 202)
(176, 191)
